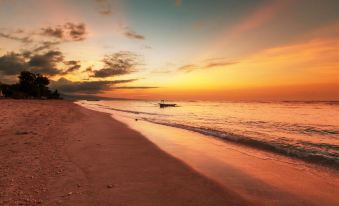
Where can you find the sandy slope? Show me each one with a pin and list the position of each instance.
(58, 153)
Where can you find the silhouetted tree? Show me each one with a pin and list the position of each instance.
(42, 83)
(27, 83)
(12, 91)
(30, 85)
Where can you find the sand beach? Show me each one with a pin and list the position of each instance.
(58, 153)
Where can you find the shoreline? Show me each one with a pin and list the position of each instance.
(259, 176)
(289, 151)
(58, 153)
(261, 145)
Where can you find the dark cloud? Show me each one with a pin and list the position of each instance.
(26, 54)
(89, 69)
(64, 33)
(67, 32)
(89, 87)
(116, 64)
(72, 66)
(133, 35)
(49, 63)
(48, 59)
(46, 45)
(137, 87)
(12, 64)
(77, 32)
(109, 72)
(40, 47)
(52, 62)
(25, 40)
(57, 32)
(46, 63)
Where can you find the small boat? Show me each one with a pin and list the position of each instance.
(163, 104)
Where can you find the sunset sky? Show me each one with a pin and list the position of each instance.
(176, 49)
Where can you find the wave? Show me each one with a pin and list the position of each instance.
(334, 102)
(322, 157)
(321, 131)
(320, 153)
(297, 128)
(127, 111)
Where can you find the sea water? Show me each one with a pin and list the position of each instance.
(306, 130)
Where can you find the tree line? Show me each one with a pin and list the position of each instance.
(30, 86)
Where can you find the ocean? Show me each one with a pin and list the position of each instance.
(305, 130)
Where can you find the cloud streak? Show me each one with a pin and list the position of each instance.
(25, 40)
(135, 87)
(220, 64)
(260, 16)
(72, 66)
(133, 35)
(188, 68)
(46, 45)
(87, 87)
(208, 64)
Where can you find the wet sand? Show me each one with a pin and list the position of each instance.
(258, 176)
(58, 153)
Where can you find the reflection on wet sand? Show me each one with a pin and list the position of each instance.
(256, 175)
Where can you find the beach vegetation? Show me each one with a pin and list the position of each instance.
(30, 86)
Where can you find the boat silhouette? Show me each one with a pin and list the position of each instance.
(162, 104)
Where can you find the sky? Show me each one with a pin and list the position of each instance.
(175, 49)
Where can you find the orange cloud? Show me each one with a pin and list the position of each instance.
(208, 64)
(188, 68)
(305, 70)
(310, 62)
(220, 64)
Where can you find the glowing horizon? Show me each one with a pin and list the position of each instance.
(196, 50)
